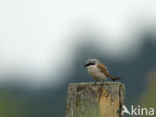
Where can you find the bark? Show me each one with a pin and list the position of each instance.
(90, 100)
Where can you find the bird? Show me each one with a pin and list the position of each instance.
(99, 71)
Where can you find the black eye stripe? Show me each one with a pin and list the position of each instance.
(91, 63)
(88, 64)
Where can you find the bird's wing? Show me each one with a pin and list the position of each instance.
(103, 69)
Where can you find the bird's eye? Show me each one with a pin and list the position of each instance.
(91, 63)
(88, 64)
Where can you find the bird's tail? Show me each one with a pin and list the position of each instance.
(114, 78)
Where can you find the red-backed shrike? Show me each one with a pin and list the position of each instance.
(98, 70)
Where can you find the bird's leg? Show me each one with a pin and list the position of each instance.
(102, 82)
(95, 82)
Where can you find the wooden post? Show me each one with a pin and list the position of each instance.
(90, 100)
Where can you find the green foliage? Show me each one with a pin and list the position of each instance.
(148, 98)
(10, 105)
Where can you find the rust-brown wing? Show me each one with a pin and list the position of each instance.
(103, 69)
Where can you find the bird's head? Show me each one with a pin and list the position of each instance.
(91, 62)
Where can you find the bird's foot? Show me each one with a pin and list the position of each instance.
(95, 82)
(103, 83)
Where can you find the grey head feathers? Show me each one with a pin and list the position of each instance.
(91, 62)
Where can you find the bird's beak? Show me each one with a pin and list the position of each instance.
(85, 65)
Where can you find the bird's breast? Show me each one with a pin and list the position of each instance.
(93, 69)
(96, 73)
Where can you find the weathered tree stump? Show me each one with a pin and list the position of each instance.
(90, 100)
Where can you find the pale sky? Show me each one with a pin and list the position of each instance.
(35, 34)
